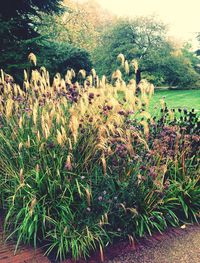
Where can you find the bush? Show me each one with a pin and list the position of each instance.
(83, 164)
(57, 56)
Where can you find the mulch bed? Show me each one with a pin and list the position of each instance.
(25, 254)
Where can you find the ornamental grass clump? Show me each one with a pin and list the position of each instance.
(84, 163)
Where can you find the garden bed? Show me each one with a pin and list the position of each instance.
(87, 164)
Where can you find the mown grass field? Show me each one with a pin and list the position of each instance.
(178, 98)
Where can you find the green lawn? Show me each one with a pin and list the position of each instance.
(177, 98)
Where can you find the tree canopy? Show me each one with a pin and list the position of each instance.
(24, 29)
(18, 16)
(145, 40)
(66, 32)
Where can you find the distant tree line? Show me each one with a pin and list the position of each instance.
(65, 34)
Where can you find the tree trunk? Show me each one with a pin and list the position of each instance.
(138, 76)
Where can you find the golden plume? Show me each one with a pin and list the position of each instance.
(121, 58)
(32, 58)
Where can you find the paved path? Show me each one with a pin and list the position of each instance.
(183, 247)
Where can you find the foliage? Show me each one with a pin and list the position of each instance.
(20, 13)
(144, 39)
(85, 163)
(198, 50)
(84, 28)
(51, 29)
(62, 56)
(18, 30)
(58, 55)
(80, 25)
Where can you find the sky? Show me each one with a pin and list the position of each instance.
(182, 16)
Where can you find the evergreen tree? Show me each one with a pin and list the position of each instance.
(18, 30)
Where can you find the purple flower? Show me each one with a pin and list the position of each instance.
(100, 198)
(105, 108)
(143, 167)
(121, 112)
(167, 184)
(152, 172)
(91, 95)
(132, 128)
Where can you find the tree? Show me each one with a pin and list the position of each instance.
(60, 56)
(22, 11)
(145, 40)
(136, 39)
(80, 25)
(19, 30)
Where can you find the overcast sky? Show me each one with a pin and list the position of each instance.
(182, 16)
